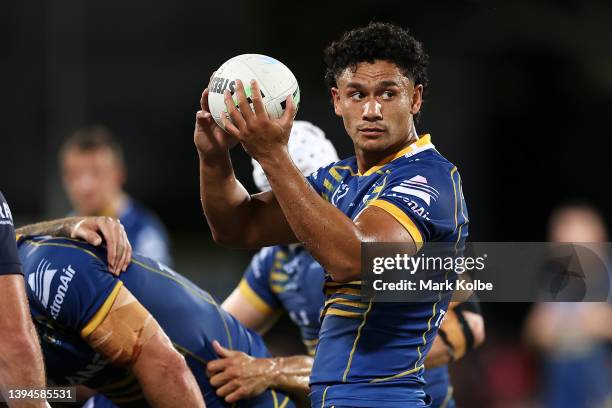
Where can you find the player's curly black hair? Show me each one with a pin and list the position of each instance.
(377, 41)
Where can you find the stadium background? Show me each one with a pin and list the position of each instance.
(519, 98)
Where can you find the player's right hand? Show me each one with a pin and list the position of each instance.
(210, 139)
(98, 230)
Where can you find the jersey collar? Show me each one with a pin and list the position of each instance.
(423, 143)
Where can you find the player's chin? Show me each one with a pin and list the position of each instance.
(373, 143)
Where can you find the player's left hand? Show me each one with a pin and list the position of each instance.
(236, 375)
(96, 230)
(260, 135)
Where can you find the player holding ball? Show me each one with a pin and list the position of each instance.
(369, 353)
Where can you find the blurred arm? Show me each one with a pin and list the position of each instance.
(258, 319)
(451, 343)
(21, 362)
(130, 337)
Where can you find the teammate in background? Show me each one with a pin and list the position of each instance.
(397, 188)
(286, 278)
(123, 336)
(573, 336)
(21, 363)
(93, 173)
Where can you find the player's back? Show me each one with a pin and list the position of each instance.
(68, 285)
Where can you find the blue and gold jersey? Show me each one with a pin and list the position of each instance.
(70, 291)
(372, 353)
(287, 278)
(9, 261)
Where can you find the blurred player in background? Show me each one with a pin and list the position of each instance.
(573, 336)
(94, 173)
(119, 336)
(397, 188)
(286, 278)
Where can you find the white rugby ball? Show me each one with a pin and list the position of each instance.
(275, 81)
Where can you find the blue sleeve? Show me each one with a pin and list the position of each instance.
(255, 285)
(9, 260)
(425, 199)
(72, 284)
(316, 179)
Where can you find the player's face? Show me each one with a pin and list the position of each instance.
(377, 102)
(92, 179)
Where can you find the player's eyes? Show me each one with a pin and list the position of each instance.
(387, 95)
(357, 96)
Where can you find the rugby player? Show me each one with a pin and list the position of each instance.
(93, 174)
(123, 336)
(286, 278)
(21, 363)
(397, 188)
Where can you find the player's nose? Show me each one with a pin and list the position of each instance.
(372, 110)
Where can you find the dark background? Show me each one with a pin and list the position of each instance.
(520, 99)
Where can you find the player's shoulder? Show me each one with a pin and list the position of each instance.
(265, 258)
(32, 248)
(428, 167)
(6, 218)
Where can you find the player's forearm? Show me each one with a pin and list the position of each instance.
(225, 201)
(315, 222)
(167, 381)
(58, 228)
(21, 362)
(291, 375)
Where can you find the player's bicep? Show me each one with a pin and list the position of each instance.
(121, 332)
(254, 313)
(380, 225)
(270, 226)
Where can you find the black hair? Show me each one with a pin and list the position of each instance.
(377, 41)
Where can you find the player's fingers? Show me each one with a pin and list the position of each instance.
(222, 351)
(219, 379)
(237, 395)
(229, 126)
(243, 103)
(215, 366)
(286, 119)
(233, 112)
(88, 235)
(106, 227)
(125, 260)
(228, 388)
(260, 109)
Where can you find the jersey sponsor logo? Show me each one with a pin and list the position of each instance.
(6, 218)
(65, 279)
(417, 187)
(413, 205)
(339, 193)
(40, 281)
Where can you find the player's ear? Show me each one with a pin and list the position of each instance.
(336, 101)
(417, 99)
